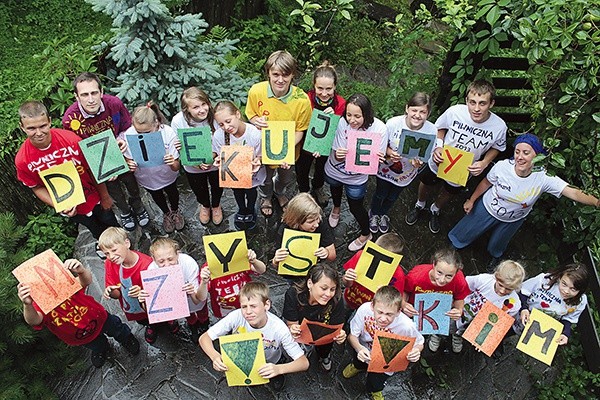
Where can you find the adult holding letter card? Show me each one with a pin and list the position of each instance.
(278, 141)
(455, 166)
(103, 155)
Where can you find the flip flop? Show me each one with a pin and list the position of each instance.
(266, 208)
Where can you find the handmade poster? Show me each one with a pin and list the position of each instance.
(235, 169)
(278, 143)
(226, 253)
(376, 266)
(301, 247)
(147, 149)
(389, 352)
(431, 315)
(415, 144)
(455, 166)
(317, 333)
(50, 282)
(320, 133)
(196, 145)
(362, 155)
(243, 354)
(488, 328)
(539, 337)
(103, 156)
(166, 300)
(64, 186)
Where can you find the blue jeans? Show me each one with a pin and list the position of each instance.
(386, 194)
(114, 328)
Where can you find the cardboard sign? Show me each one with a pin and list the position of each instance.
(539, 337)
(147, 149)
(278, 143)
(488, 328)
(321, 132)
(226, 253)
(415, 144)
(103, 156)
(389, 352)
(235, 169)
(64, 186)
(50, 282)
(431, 315)
(243, 354)
(317, 333)
(301, 246)
(376, 266)
(166, 301)
(362, 155)
(455, 166)
(196, 145)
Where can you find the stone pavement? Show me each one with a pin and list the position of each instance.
(175, 368)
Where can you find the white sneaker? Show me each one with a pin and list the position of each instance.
(457, 343)
(434, 343)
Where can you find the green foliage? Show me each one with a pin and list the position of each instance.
(50, 230)
(156, 55)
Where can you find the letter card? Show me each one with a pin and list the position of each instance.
(376, 266)
(431, 315)
(166, 301)
(147, 149)
(362, 155)
(235, 169)
(243, 354)
(538, 339)
(488, 328)
(389, 352)
(301, 247)
(103, 156)
(64, 186)
(196, 145)
(317, 333)
(415, 144)
(226, 253)
(321, 132)
(455, 166)
(278, 143)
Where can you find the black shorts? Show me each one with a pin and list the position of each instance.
(429, 178)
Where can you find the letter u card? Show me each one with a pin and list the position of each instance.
(278, 143)
(243, 354)
(488, 328)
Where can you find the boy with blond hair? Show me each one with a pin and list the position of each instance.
(253, 316)
(384, 313)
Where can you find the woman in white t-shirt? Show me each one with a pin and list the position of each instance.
(509, 192)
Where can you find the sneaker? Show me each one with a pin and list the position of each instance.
(321, 196)
(250, 221)
(434, 343)
(374, 223)
(384, 224)
(308, 349)
(457, 343)
(150, 335)
(178, 220)
(413, 215)
(99, 358)
(204, 215)
(143, 218)
(334, 219)
(326, 363)
(168, 224)
(173, 326)
(377, 395)
(491, 267)
(131, 344)
(277, 383)
(100, 253)
(350, 371)
(238, 222)
(434, 222)
(357, 244)
(128, 222)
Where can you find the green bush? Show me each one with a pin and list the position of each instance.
(49, 230)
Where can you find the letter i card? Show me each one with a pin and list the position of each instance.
(488, 328)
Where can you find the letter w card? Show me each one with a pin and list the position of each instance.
(431, 315)
(488, 328)
(301, 247)
(376, 266)
(102, 154)
(166, 300)
(235, 168)
(64, 185)
(362, 152)
(321, 132)
(455, 166)
(538, 339)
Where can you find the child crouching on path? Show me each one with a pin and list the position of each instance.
(382, 314)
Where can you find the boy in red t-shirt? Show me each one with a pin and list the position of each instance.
(77, 319)
(356, 294)
(224, 291)
(444, 275)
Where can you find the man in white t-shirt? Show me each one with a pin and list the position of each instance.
(469, 127)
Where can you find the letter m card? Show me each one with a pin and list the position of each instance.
(64, 185)
(102, 154)
(321, 132)
(51, 283)
(488, 328)
(166, 300)
(226, 253)
(415, 144)
(362, 155)
(235, 169)
(431, 315)
(376, 266)
(455, 166)
(538, 339)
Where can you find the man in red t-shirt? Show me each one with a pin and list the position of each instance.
(80, 320)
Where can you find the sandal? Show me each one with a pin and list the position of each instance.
(283, 201)
(266, 208)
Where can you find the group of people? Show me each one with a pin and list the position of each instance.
(500, 203)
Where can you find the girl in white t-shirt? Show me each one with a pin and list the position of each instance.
(234, 131)
(358, 117)
(162, 179)
(397, 171)
(196, 111)
(559, 294)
